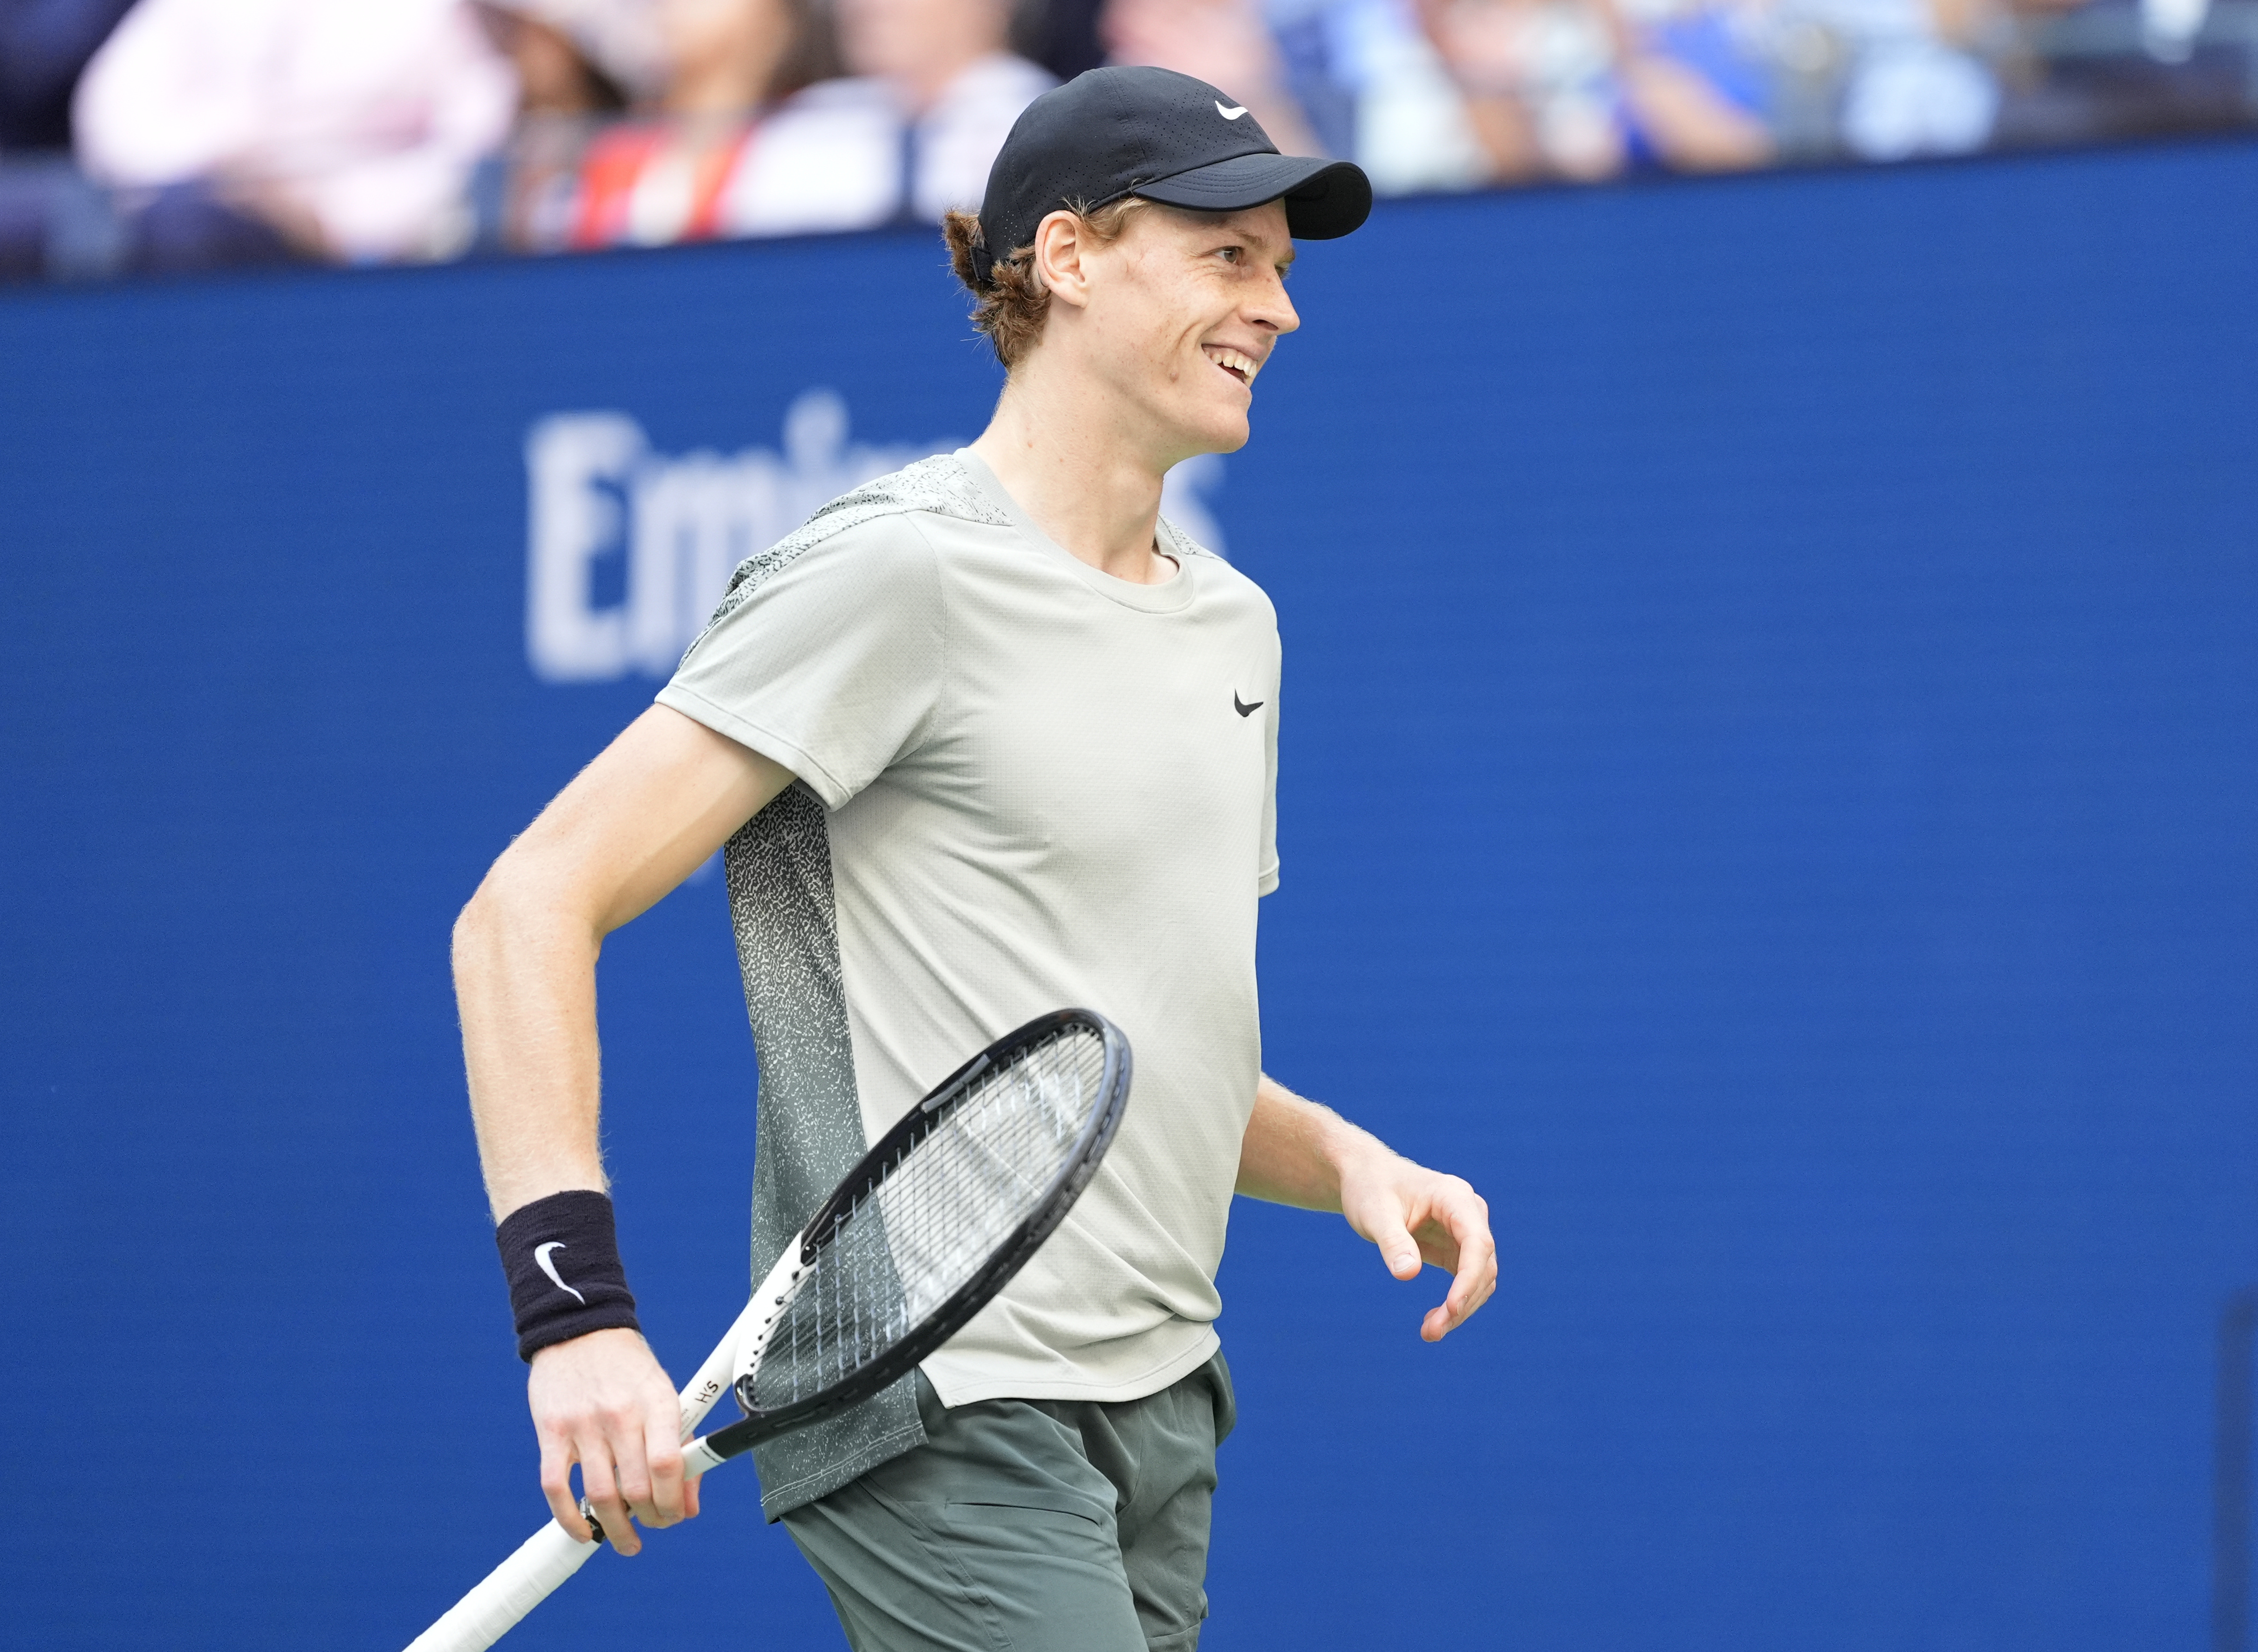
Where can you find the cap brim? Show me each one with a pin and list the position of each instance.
(1323, 198)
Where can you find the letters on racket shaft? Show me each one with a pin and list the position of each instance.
(935, 1219)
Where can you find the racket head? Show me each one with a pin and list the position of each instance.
(934, 1220)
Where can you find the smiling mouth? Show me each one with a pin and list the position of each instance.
(1238, 364)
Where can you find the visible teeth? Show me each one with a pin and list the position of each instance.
(1236, 361)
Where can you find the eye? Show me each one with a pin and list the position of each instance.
(1232, 254)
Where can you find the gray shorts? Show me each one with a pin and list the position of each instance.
(1030, 1526)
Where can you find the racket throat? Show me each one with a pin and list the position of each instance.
(770, 1301)
(698, 1457)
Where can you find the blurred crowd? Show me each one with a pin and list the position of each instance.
(149, 135)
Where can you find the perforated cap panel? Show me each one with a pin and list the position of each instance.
(1112, 132)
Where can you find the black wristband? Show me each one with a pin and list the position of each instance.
(562, 1259)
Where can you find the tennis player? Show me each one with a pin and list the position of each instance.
(985, 737)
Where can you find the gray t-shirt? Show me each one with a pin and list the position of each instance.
(1023, 784)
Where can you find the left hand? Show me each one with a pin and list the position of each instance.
(1415, 1215)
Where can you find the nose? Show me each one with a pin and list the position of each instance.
(1271, 309)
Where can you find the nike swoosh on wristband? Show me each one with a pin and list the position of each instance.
(541, 1255)
(1237, 705)
(1229, 114)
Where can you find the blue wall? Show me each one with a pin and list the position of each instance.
(1770, 774)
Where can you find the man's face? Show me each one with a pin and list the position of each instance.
(1184, 309)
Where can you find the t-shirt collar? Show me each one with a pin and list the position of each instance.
(1165, 598)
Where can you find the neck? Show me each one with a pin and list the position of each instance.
(1067, 455)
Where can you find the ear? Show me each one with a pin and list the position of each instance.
(1059, 254)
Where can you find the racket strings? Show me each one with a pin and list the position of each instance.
(941, 1209)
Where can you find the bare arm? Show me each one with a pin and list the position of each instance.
(1300, 1154)
(634, 823)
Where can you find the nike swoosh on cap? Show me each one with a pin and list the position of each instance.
(1229, 114)
(1237, 705)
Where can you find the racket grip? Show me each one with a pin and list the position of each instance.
(507, 1592)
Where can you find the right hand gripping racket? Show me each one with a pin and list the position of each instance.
(918, 1238)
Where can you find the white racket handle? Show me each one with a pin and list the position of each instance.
(552, 1554)
(510, 1590)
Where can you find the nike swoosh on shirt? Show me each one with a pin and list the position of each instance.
(541, 1255)
(1237, 705)
(1229, 114)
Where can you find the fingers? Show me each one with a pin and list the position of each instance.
(602, 1401)
(662, 1455)
(597, 1479)
(1463, 1215)
(1414, 1214)
(1398, 1248)
(600, 1479)
(557, 1482)
(629, 1479)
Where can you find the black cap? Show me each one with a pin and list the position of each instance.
(1152, 132)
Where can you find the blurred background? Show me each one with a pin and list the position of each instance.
(144, 135)
(1769, 782)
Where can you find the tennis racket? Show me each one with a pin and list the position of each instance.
(918, 1238)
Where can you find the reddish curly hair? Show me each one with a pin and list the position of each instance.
(1010, 309)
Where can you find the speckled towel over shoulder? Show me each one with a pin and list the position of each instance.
(1021, 784)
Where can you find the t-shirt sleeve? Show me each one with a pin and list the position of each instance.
(1266, 877)
(831, 666)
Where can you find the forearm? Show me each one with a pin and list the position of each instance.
(1295, 1151)
(634, 823)
(525, 987)
(525, 980)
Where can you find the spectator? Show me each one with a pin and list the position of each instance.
(1538, 78)
(44, 46)
(52, 222)
(1696, 89)
(1455, 94)
(1226, 43)
(680, 175)
(934, 90)
(1411, 128)
(2101, 71)
(257, 126)
(909, 133)
(579, 63)
(1912, 87)
(577, 58)
(1577, 89)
